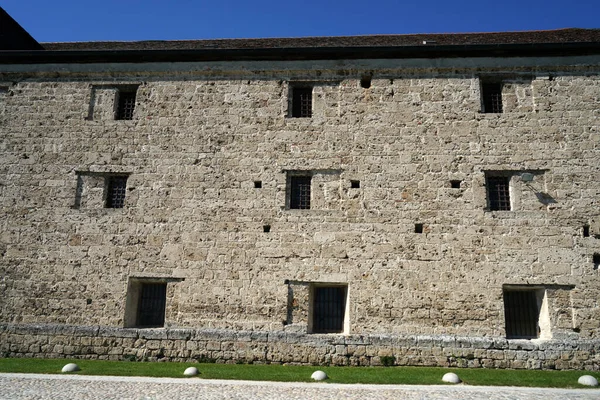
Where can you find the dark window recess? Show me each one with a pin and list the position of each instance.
(257, 184)
(115, 194)
(418, 228)
(302, 102)
(266, 228)
(125, 105)
(586, 231)
(365, 82)
(151, 308)
(328, 309)
(596, 260)
(455, 184)
(300, 192)
(355, 184)
(498, 193)
(521, 314)
(491, 94)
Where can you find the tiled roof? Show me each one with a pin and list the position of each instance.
(570, 35)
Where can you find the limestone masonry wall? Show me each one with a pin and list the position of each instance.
(399, 218)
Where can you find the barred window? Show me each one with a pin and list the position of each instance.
(299, 191)
(302, 102)
(521, 314)
(115, 191)
(328, 309)
(491, 96)
(151, 306)
(125, 104)
(498, 192)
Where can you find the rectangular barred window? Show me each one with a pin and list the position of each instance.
(491, 96)
(125, 104)
(115, 191)
(521, 314)
(151, 305)
(328, 309)
(299, 192)
(498, 193)
(302, 102)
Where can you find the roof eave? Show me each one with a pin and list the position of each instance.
(302, 53)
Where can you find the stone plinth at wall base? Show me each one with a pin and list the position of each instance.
(222, 346)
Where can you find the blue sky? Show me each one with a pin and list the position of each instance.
(68, 20)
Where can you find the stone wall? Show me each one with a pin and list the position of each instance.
(203, 134)
(258, 347)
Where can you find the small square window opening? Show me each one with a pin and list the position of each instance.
(115, 191)
(355, 184)
(455, 184)
(257, 184)
(302, 102)
(491, 97)
(418, 228)
(266, 228)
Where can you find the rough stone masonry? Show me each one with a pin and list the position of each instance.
(402, 208)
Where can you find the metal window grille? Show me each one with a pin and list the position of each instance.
(492, 97)
(328, 309)
(151, 307)
(115, 196)
(521, 314)
(302, 102)
(300, 192)
(498, 193)
(125, 105)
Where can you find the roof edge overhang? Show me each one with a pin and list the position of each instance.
(299, 54)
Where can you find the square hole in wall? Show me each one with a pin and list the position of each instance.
(354, 184)
(257, 184)
(586, 231)
(418, 228)
(455, 184)
(266, 228)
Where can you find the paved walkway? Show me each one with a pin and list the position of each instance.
(36, 386)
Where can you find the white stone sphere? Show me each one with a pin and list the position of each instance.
(71, 367)
(451, 377)
(319, 376)
(587, 380)
(191, 371)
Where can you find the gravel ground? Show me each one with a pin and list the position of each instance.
(35, 386)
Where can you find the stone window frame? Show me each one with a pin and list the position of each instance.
(105, 200)
(537, 314)
(313, 327)
(133, 303)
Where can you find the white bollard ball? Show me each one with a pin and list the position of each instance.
(71, 367)
(587, 380)
(191, 371)
(451, 377)
(319, 376)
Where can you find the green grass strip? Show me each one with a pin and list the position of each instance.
(292, 373)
